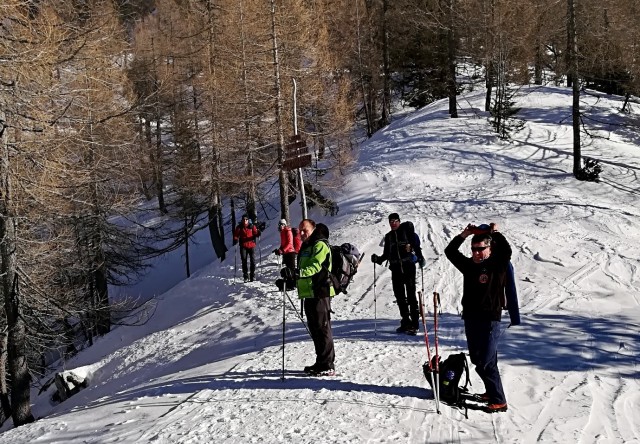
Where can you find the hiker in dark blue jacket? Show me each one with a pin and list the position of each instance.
(483, 298)
(402, 250)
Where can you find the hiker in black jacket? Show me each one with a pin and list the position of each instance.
(402, 250)
(483, 299)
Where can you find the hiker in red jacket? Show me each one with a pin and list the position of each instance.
(247, 233)
(287, 249)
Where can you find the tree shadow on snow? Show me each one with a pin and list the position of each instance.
(269, 379)
(564, 343)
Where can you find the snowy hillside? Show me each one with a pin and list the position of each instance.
(208, 367)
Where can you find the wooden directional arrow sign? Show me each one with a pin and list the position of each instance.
(296, 154)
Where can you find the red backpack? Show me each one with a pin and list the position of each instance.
(297, 240)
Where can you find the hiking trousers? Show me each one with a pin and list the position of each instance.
(289, 260)
(250, 253)
(403, 280)
(482, 339)
(318, 311)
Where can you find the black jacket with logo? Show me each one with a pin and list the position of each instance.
(483, 294)
(395, 248)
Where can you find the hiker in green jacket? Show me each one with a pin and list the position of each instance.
(314, 288)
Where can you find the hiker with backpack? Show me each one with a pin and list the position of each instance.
(483, 298)
(246, 233)
(402, 250)
(289, 245)
(312, 280)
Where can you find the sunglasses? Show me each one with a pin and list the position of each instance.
(477, 249)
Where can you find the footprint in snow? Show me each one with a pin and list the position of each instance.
(539, 258)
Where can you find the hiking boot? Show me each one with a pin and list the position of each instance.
(411, 331)
(401, 329)
(479, 397)
(318, 372)
(494, 408)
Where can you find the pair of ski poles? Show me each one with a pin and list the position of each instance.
(433, 366)
(285, 296)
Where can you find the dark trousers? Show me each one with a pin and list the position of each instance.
(318, 311)
(250, 252)
(482, 339)
(403, 280)
(289, 260)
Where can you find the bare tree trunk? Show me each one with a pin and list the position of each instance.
(157, 155)
(5, 404)
(386, 85)
(16, 340)
(283, 177)
(157, 165)
(572, 45)
(145, 130)
(490, 68)
(451, 60)
(251, 191)
(216, 227)
(570, 37)
(537, 70)
(103, 314)
(365, 102)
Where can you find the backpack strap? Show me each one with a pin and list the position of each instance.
(466, 371)
(328, 259)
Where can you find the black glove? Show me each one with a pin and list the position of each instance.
(376, 259)
(289, 274)
(276, 252)
(261, 226)
(235, 241)
(421, 262)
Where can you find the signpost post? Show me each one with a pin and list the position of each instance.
(296, 155)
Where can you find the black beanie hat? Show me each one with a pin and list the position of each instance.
(394, 216)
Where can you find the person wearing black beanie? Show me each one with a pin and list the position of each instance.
(402, 250)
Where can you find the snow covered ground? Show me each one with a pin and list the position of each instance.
(208, 367)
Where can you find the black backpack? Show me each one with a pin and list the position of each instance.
(410, 236)
(344, 264)
(408, 229)
(450, 372)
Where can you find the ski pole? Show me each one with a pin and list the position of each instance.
(375, 303)
(426, 341)
(235, 265)
(284, 293)
(436, 303)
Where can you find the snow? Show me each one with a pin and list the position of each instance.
(208, 367)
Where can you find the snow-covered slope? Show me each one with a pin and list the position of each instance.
(208, 367)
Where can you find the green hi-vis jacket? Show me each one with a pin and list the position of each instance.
(314, 265)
